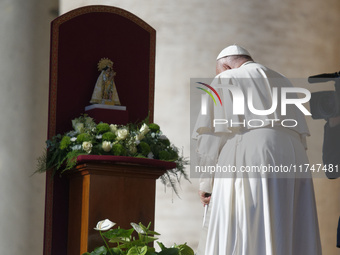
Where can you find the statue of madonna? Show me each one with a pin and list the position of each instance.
(105, 91)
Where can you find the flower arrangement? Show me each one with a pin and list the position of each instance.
(143, 140)
(127, 244)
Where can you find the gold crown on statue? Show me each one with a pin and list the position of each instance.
(104, 62)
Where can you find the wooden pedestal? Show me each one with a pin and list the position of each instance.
(121, 192)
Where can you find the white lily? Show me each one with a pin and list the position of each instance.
(104, 225)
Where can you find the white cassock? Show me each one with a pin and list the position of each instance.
(249, 214)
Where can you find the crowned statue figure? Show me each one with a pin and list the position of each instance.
(105, 91)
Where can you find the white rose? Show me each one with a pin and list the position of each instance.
(139, 137)
(87, 146)
(79, 127)
(122, 133)
(104, 225)
(107, 146)
(144, 129)
(73, 139)
(113, 128)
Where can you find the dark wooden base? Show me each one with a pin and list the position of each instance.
(122, 193)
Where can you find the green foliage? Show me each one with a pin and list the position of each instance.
(99, 251)
(144, 148)
(133, 140)
(154, 127)
(84, 137)
(118, 150)
(166, 142)
(109, 136)
(41, 163)
(71, 159)
(164, 155)
(118, 234)
(103, 128)
(65, 142)
(184, 249)
(125, 242)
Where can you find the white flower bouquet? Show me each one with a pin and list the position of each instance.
(144, 140)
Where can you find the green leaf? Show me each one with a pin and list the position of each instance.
(118, 233)
(184, 249)
(161, 245)
(150, 232)
(127, 245)
(120, 240)
(154, 127)
(115, 251)
(169, 251)
(151, 251)
(148, 239)
(138, 250)
(99, 251)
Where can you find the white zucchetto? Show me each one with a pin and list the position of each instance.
(232, 50)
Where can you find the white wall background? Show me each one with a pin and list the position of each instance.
(297, 38)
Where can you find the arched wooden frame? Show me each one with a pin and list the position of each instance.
(79, 39)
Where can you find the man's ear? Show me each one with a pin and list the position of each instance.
(227, 67)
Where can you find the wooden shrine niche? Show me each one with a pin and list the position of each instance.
(79, 39)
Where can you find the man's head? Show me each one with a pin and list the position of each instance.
(231, 57)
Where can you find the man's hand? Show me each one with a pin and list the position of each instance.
(205, 197)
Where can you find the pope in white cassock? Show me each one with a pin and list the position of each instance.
(261, 213)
